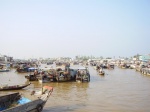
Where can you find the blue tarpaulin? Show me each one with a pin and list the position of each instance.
(2, 108)
(23, 100)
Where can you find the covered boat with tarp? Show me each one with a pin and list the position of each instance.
(23, 102)
(26, 69)
(33, 75)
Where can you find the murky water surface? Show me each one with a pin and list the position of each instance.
(120, 90)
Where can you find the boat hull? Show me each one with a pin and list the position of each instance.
(5, 70)
(15, 87)
(16, 102)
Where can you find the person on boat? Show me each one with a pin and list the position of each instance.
(32, 93)
(84, 75)
(43, 75)
(1, 67)
(51, 75)
(62, 75)
(78, 75)
(66, 73)
(97, 67)
(101, 70)
(35, 72)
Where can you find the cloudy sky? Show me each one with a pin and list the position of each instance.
(54, 28)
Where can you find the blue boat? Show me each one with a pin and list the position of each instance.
(16, 102)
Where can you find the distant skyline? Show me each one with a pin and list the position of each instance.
(67, 28)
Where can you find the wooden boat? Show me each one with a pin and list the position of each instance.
(4, 67)
(34, 102)
(83, 78)
(62, 76)
(31, 77)
(111, 66)
(4, 70)
(25, 69)
(47, 75)
(44, 79)
(101, 72)
(22, 70)
(14, 87)
(82, 75)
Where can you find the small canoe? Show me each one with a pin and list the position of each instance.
(25, 102)
(102, 73)
(14, 87)
(4, 70)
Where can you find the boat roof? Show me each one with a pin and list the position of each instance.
(46, 69)
(32, 68)
(78, 67)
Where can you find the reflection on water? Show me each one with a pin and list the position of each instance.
(120, 90)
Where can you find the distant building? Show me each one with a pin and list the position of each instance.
(134, 59)
(144, 58)
(4, 58)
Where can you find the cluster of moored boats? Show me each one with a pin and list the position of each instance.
(23, 102)
(99, 67)
(60, 74)
(142, 67)
(35, 101)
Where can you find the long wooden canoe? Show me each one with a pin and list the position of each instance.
(14, 87)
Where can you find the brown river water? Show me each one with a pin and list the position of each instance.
(119, 90)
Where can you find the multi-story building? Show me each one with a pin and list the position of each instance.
(4, 58)
(144, 57)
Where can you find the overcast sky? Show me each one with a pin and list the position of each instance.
(54, 28)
